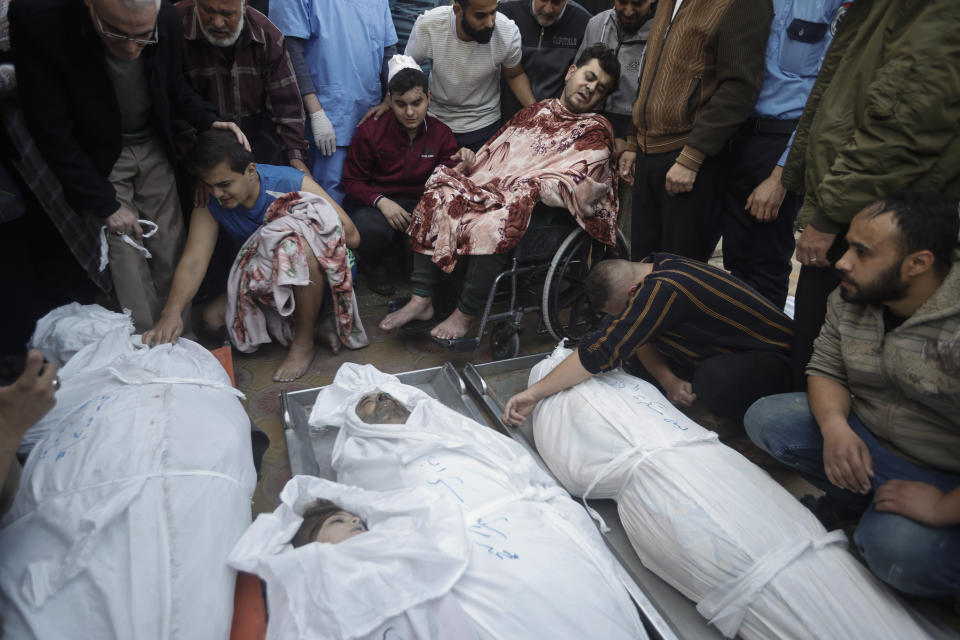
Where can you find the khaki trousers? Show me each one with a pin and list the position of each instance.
(144, 181)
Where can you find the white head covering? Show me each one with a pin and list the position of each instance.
(398, 63)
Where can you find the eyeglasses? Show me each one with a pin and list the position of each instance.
(123, 37)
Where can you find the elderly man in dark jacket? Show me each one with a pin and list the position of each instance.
(100, 83)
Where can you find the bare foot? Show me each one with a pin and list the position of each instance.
(419, 308)
(455, 326)
(296, 363)
(327, 333)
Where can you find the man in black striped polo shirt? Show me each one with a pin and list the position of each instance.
(697, 330)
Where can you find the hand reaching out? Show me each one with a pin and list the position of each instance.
(29, 398)
(375, 112)
(519, 407)
(466, 158)
(230, 126)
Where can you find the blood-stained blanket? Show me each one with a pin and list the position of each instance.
(545, 153)
(272, 261)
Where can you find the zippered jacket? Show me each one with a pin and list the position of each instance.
(547, 51)
(383, 161)
(905, 382)
(604, 27)
(884, 113)
(701, 75)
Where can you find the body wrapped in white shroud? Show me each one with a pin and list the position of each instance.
(393, 581)
(708, 521)
(538, 567)
(138, 485)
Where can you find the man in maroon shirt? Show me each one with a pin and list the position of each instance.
(388, 163)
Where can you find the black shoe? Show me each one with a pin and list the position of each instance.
(378, 281)
(259, 443)
(831, 513)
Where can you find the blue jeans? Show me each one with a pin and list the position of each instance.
(909, 556)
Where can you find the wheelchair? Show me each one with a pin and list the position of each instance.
(547, 275)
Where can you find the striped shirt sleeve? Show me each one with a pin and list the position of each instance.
(648, 314)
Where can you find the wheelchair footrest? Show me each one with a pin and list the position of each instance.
(459, 345)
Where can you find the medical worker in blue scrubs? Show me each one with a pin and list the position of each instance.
(339, 51)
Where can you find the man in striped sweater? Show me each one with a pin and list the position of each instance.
(698, 331)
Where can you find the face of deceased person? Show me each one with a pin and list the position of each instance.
(338, 527)
(381, 408)
(220, 21)
(585, 87)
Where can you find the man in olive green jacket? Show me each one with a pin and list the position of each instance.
(883, 116)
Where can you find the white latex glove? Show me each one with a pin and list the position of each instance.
(323, 135)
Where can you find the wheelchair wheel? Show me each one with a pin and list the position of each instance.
(565, 306)
(504, 341)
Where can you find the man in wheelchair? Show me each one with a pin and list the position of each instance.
(556, 152)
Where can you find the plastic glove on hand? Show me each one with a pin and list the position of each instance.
(323, 134)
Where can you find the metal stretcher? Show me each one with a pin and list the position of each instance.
(480, 394)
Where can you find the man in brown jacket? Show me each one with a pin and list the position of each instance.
(701, 76)
(879, 430)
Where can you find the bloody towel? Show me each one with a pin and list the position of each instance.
(545, 153)
(273, 260)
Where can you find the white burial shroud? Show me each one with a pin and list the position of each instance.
(538, 567)
(393, 581)
(138, 484)
(707, 520)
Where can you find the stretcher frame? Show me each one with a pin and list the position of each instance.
(478, 394)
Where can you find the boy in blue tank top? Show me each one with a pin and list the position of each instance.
(241, 191)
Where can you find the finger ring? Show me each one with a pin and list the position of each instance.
(56, 383)
(812, 260)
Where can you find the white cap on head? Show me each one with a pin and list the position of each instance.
(398, 63)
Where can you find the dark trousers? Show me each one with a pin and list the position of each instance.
(757, 252)
(729, 383)
(683, 224)
(909, 556)
(376, 234)
(481, 271)
(810, 308)
(473, 140)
